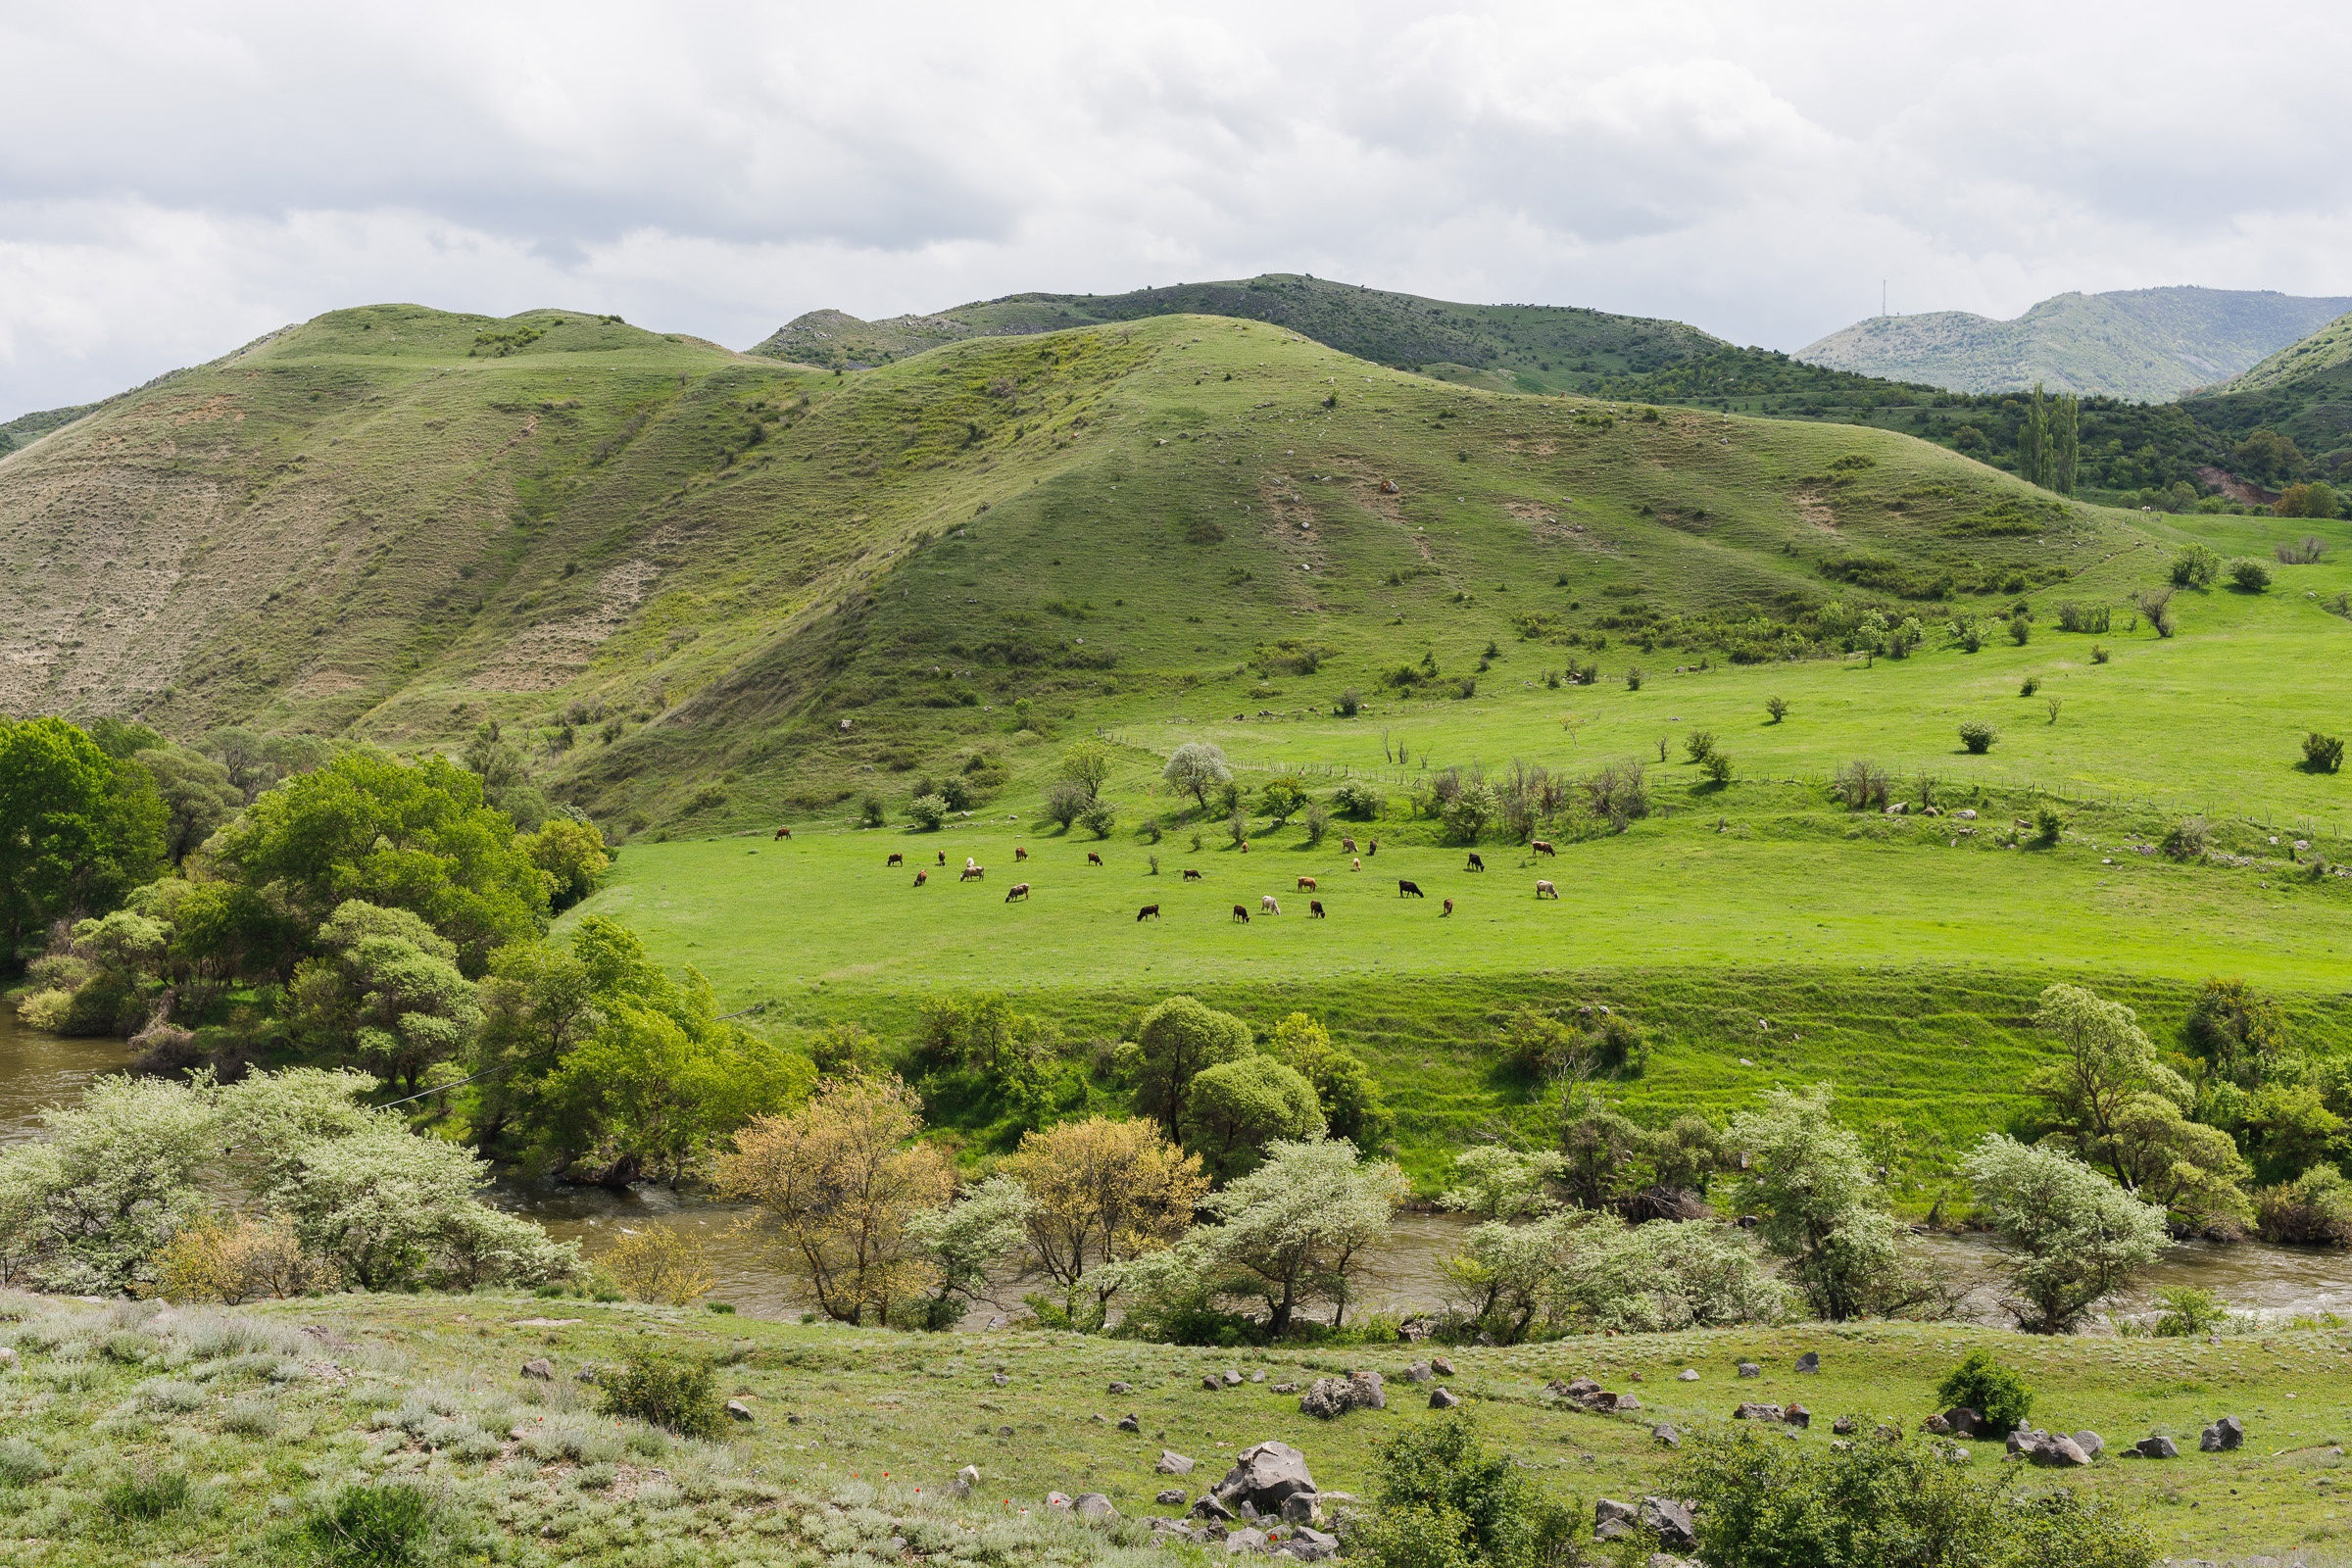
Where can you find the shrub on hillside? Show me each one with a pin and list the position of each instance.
(2156, 603)
(388, 1525)
(1860, 785)
(2074, 617)
(2317, 498)
(1777, 707)
(1099, 819)
(1351, 704)
(2307, 552)
(1717, 767)
(870, 812)
(2047, 826)
(1446, 1501)
(2031, 685)
(1317, 821)
(2249, 575)
(1698, 743)
(2195, 566)
(2322, 754)
(1978, 736)
(2188, 1312)
(1281, 799)
(1632, 677)
(2186, 839)
(2313, 1210)
(677, 1396)
(1989, 1389)
(2099, 654)
(927, 811)
(2020, 629)
(1358, 800)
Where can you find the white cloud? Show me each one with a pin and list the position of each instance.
(173, 182)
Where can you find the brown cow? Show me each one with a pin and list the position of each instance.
(1476, 864)
(781, 833)
(1372, 847)
(1149, 912)
(1449, 908)
(1243, 845)
(1543, 847)
(1355, 865)
(942, 856)
(1314, 909)
(1306, 884)
(1019, 853)
(1191, 875)
(1019, 890)
(1410, 890)
(922, 878)
(1091, 858)
(895, 859)
(1346, 845)
(973, 873)
(1242, 914)
(1543, 888)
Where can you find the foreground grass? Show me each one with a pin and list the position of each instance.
(270, 1410)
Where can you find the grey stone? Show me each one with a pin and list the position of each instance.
(1314, 1546)
(1128, 1422)
(1212, 1383)
(1172, 1463)
(2222, 1435)
(737, 1410)
(2054, 1452)
(1442, 1366)
(999, 1379)
(1626, 1401)
(1057, 1499)
(1842, 1425)
(1810, 1361)
(1286, 1388)
(1169, 1499)
(1937, 1425)
(1299, 1508)
(540, 1367)
(1212, 1506)
(1797, 1415)
(966, 1479)
(1232, 1378)
(1965, 1421)
(1094, 1505)
(1442, 1397)
(1611, 1518)
(2090, 1442)
(586, 1374)
(1749, 1369)
(1328, 1398)
(1666, 1435)
(1246, 1540)
(1671, 1521)
(1418, 1372)
(1757, 1412)
(1264, 1474)
(1122, 1388)
(2157, 1447)
(1687, 1375)
(1257, 1377)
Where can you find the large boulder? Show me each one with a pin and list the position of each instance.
(1797, 1415)
(1313, 1546)
(1169, 1498)
(1809, 1362)
(1966, 1423)
(1612, 1519)
(540, 1368)
(1094, 1505)
(1330, 1397)
(1749, 1369)
(1299, 1508)
(1246, 1540)
(2157, 1447)
(2222, 1435)
(1670, 1521)
(1212, 1507)
(1758, 1412)
(1441, 1398)
(1418, 1372)
(2056, 1450)
(1172, 1463)
(1264, 1475)
(2090, 1442)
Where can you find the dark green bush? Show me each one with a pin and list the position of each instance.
(927, 811)
(1989, 1389)
(2032, 684)
(1358, 800)
(1978, 736)
(388, 1525)
(1717, 767)
(2249, 575)
(2021, 630)
(145, 1493)
(1777, 707)
(1445, 1501)
(869, 812)
(681, 1396)
(2047, 827)
(2186, 839)
(2195, 566)
(2322, 754)
(1698, 745)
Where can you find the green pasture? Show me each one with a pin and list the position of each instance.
(869, 1416)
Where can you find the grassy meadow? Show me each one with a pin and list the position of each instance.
(267, 1412)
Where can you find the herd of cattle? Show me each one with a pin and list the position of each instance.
(1267, 903)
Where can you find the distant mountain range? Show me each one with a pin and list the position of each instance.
(2150, 345)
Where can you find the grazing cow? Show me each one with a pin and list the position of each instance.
(1240, 914)
(1543, 847)
(1019, 853)
(1191, 875)
(1314, 909)
(942, 856)
(895, 859)
(1149, 912)
(1091, 858)
(1306, 884)
(781, 833)
(1449, 908)
(1267, 905)
(1476, 864)
(1408, 890)
(970, 865)
(1372, 847)
(1546, 890)
(973, 873)
(1019, 890)
(1346, 845)
(922, 878)
(1243, 845)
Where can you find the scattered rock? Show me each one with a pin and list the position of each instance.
(737, 1410)
(1670, 1521)
(1442, 1397)
(1313, 1546)
(1964, 1422)
(1299, 1508)
(1232, 1378)
(1286, 1388)
(1003, 1432)
(1966, 813)
(1758, 1412)
(1612, 1519)
(1687, 1375)
(1808, 1362)
(1246, 1540)
(1626, 1401)
(540, 1368)
(1440, 1366)
(2157, 1448)
(1264, 1475)
(1128, 1422)
(1937, 1425)
(967, 1478)
(1666, 1435)
(1257, 1377)
(1094, 1505)
(1633, 1376)
(1172, 1463)
(1328, 1398)
(1212, 1507)
(1211, 1382)
(2055, 1450)
(1842, 1426)
(2222, 1435)
(1170, 1498)
(1057, 1499)
(1749, 1369)
(999, 1379)
(1122, 1388)
(1797, 1415)
(1418, 1372)
(2090, 1442)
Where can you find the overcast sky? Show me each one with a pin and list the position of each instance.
(177, 179)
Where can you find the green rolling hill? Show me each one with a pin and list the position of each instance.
(2304, 392)
(2148, 344)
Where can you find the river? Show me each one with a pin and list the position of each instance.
(1406, 1272)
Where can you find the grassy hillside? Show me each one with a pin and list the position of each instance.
(2149, 345)
(216, 1438)
(27, 428)
(2324, 350)
(1524, 348)
(2304, 392)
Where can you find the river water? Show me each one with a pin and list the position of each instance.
(1406, 1272)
